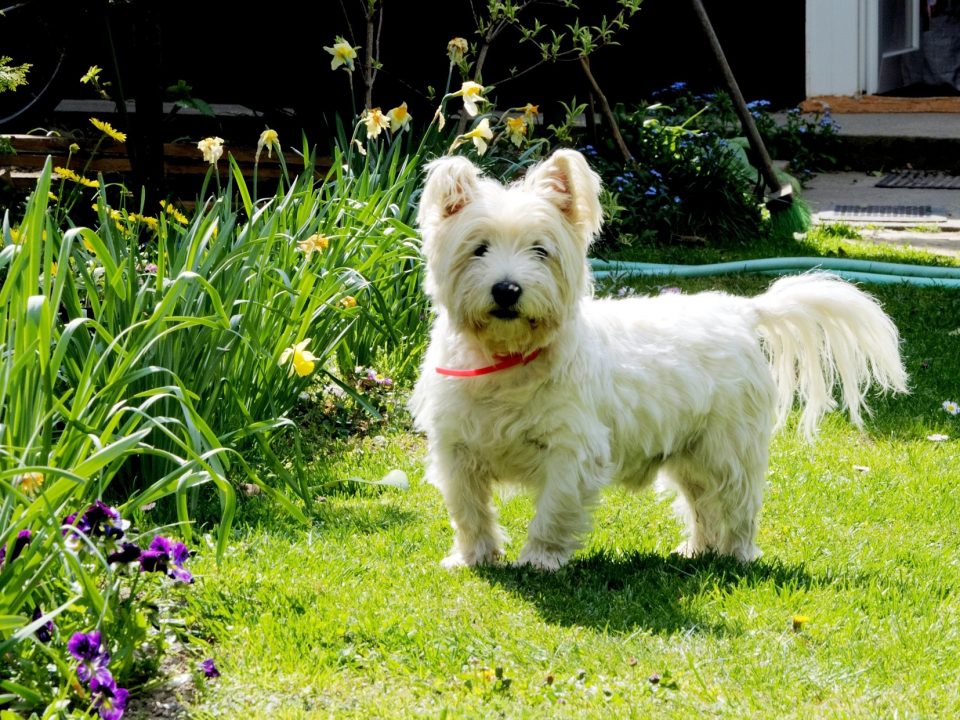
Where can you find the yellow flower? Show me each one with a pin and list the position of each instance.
(375, 121)
(170, 210)
(212, 149)
(29, 482)
(399, 118)
(472, 93)
(91, 74)
(68, 174)
(52, 197)
(268, 138)
(516, 129)
(343, 54)
(107, 129)
(480, 134)
(348, 301)
(301, 360)
(53, 269)
(456, 49)
(530, 113)
(150, 222)
(314, 243)
(15, 235)
(799, 621)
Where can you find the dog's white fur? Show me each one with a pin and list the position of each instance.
(687, 387)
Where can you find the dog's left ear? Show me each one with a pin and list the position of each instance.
(568, 182)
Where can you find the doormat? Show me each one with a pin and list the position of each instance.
(920, 180)
(884, 213)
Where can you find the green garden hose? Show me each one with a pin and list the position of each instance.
(867, 271)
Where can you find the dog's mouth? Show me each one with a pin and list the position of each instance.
(503, 313)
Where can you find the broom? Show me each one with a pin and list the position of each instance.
(788, 213)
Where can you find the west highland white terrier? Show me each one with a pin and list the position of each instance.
(530, 380)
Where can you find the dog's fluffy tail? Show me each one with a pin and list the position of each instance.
(818, 329)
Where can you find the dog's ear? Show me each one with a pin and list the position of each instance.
(451, 184)
(568, 182)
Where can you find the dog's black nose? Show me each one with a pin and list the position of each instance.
(506, 294)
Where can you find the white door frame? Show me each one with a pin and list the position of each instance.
(842, 46)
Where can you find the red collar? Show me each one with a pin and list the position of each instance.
(503, 363)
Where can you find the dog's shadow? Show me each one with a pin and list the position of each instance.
(639, 591)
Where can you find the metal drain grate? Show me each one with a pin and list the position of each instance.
(884, 213)
(916, 179)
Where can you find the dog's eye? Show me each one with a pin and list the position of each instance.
(541, 252)
(480, 250)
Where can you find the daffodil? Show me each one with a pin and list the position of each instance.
(480, 134)
(399, 118)
(30, 482)
(343, 54)
(472, 93)
(268, 138)
(516, 129)
(457, 49)
(314, 243)
(107, 129)
(530, 113)
(375, 121)
(301, 360)
(212, 149)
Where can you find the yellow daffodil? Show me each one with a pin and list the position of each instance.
(212, 149)
(301, 360)
(399, 118)
(530, 113)
(375, 121)
(516, 129)
(314, 243)
(472, 93)
(480, 134)
(29, 482)
(343, 54)
(348, 302)
(268, 138)
(107, 129)
(170, 210)
(456, 49)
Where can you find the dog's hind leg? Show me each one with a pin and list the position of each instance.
(719, 500)
(466, 485)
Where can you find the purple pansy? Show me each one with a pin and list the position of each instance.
(127, 553)
(23, 539)
(209, 668)
(108, 699)
(88, 649)
(166, 556)
(45, 631)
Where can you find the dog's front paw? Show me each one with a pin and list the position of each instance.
(543, 557)
(482, 555)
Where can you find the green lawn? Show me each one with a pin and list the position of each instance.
(851, 612)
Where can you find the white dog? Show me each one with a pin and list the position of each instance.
(528, 379)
